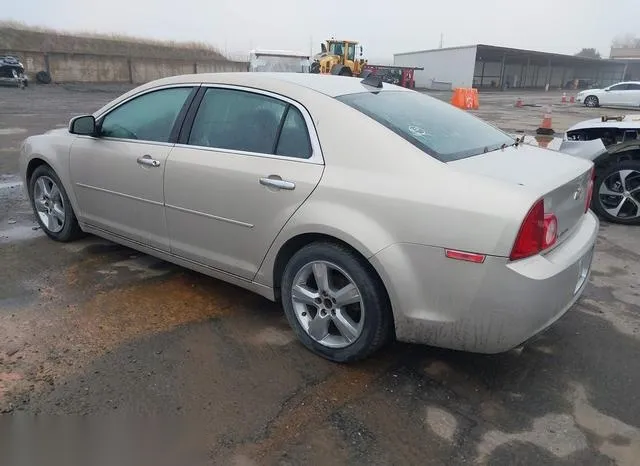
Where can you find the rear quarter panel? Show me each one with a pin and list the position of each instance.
(378, 189)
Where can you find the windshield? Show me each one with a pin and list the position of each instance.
(436, 127)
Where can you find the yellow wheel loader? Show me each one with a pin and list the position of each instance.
(339, 57)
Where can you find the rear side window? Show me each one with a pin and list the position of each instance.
(149, 117)
(633, 87)
(294, 137)
(237, 120)
(436, 127)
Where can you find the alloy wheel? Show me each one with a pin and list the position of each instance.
(49, 204)
(328, 304)
(591, 101)
(619, 194)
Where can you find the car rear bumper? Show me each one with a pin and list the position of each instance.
(486, 308)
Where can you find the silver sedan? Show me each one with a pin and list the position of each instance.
(370, 211)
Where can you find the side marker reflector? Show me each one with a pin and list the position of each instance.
(465, 256)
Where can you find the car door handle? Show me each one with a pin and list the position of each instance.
(278, 183)
(148, 161)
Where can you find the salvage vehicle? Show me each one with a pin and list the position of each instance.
(12, 71)
(370, 211)
(625, 94)
(617, 182)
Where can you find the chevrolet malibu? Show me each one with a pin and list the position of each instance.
(370, 211)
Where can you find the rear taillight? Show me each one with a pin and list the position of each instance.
(587, 202)
(538, 232)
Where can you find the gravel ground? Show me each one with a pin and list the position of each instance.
(92, 328)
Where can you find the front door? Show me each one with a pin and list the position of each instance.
(247, 165)
(616, 95)
(633, 95)
(118, 176)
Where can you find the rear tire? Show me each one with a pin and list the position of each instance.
(51, 205)
(622, 181)
(591, 101)
(317, 313)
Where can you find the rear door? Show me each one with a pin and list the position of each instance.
(246, 160)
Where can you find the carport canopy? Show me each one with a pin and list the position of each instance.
(503, 67)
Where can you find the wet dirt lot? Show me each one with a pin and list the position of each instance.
(93, 328)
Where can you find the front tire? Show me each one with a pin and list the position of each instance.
(335, 303)
(51, 205)
(591, 101)
(616, 193)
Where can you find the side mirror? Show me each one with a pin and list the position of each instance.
(84, 125)
(607, 89)
(323, 48)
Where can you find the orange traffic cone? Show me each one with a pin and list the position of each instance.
(564, 97)
(545, 127)
(519, 102)
(572, 99)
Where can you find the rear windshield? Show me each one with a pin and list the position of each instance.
(436, 127)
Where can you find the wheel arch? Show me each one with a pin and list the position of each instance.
(37, 160)
(297, 242)
(617, 155)
(34, 163)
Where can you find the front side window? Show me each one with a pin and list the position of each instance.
(150, 117)
(437, 128)
(618, 87)
(352, 52)
(237, 120)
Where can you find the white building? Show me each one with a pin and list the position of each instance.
(261, 60)
(487, 66)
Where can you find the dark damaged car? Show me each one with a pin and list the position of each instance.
(616, 194)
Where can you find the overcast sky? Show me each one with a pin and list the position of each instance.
(382, 28)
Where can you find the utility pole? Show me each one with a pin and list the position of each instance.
(441, 39)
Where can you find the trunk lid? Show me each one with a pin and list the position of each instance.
(562, 180)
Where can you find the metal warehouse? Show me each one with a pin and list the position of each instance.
(488, 66)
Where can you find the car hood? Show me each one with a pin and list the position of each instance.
(591, 91)
(540, 169)
(628, 121)
(58, 131)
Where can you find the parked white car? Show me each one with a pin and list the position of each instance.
(626, 94)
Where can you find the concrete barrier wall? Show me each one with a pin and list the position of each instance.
(88, 68)
(70, 58)
(74, 67)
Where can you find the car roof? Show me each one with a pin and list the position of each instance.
(330, 85)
